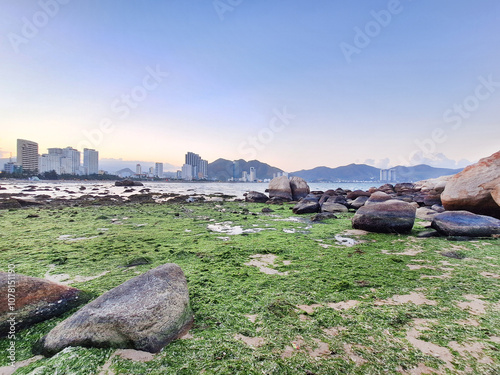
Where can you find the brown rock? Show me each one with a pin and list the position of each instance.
(36, 300)
(9, 203)
(357, 193)
(378, 197)
(392, 216)
(473, 188)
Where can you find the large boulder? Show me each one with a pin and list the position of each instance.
(307, 205)
(378, 197)
(392, 216)
(144, 313)
(330, 206)
(279, 187)
(357, 193)
(36, 300)
(473, 188)
(299, 187)
(464, 223)
(358, 202)
(495, 192)
(256, 197)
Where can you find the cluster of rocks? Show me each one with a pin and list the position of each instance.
(465, 204)
(128, 183)
(145, 313)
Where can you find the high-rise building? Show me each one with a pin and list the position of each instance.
(158, 170)
(203, 172)
(138, 169)
(244, 176)
(70, 161)
(199, 167)
(388, 175)
(27, 155)
(51, 161)
(90, 161)
(187, 172)
(236, 170)
(253, 174)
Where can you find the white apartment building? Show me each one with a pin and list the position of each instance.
(90, 161)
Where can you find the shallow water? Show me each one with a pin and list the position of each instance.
(71, 189)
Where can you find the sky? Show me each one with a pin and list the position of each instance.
(296, 84)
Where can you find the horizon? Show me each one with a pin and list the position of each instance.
(382, 83)
(130, 164)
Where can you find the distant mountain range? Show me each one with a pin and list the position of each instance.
(363, 172)
(223, 170)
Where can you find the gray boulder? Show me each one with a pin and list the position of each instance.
(307, 205)
(464, 223)
(256, 197)
(438, 208)
(144, 313)
(358, 202)
(425, 213)
(392, 216)
(36, 300)
(279, 187)
(299, 187)
(333, 207)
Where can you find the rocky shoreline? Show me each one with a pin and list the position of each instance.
(141, 261)
(472, 198)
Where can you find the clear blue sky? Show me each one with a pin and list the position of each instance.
(425, 75)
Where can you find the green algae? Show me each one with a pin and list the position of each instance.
(119, 242)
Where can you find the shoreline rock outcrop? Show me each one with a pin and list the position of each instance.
(476, 188)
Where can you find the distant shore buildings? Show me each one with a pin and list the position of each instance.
(194, 168)
(388, 175)
(59, 160)
(68, 161)
(246, 176)
(90, 161)
(27, 155)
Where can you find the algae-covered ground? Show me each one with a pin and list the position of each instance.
(284, 296)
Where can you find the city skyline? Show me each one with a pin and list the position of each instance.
(69, 161)
(299, 85)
